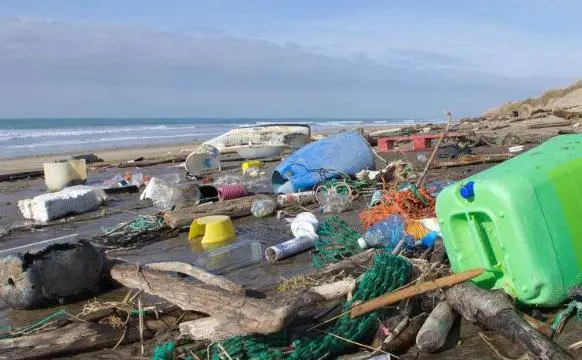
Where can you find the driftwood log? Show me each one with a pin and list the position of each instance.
(495, 311)
(242, 314)
(550, 124)
(144, 163)
(217, 328)
(235, 208)
(199, 274)
(472, 160)
(71, 339)
(22, 175)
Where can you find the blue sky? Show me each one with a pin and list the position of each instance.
(281, 58)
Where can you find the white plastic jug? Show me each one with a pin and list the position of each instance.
(58, 175)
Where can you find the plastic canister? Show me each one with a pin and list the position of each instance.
(520, 220)
(59, 175)
(205, 158)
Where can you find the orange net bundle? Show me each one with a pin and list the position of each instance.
(411, 204)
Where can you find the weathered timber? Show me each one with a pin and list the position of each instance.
(550, 124)
(71, 339)
(199, 274)
(235, 208)
(413, 290)
(494, 311)
(472, 160)
(145, 163)
(21, 175)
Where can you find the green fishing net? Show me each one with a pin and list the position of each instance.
(337, 241)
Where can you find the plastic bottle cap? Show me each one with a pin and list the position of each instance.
(362, 243)
(467, 191)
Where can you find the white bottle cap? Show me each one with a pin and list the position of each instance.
(362, 243)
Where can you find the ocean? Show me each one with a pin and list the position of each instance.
(29, 137)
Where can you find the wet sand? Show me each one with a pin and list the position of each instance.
(29, 163)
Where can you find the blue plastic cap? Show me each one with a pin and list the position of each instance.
(429, 239)
(468, 190)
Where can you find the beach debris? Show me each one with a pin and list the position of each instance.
(550, 124)
(215, 228)
(413, 290)
(61, 174)
(55, 274)
(507, 189)
(260, 151)
(130, 178)
(71, 200)
(304, 228)
(322, 160)
(422, 177)
(398, 171)
(145, 163)
(168, 196)
(472, 160)
(142, 229)
(205, 159)
(411, 203)
(198, 274)
(230, 257)
(388, 272)
(289, 248)
(231, 191)
(294, 136)
(337, 241)
(386, 233)
(89, 158)
(516, 149)
(417, 142)
(252, 167)
(235, 208)
(22, 175)
(495, 311)
(405, 338)
(263, 208)
(433, 334)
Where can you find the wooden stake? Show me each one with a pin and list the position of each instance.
(434, 152)
(413, 290)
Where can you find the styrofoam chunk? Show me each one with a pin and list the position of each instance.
(71, 200)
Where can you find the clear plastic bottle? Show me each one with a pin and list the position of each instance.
(262, 208)
(231, 257)
(334, 203)
(387, 233)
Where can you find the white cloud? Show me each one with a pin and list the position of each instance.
(50, 68)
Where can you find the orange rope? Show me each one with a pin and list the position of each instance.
(404, 203)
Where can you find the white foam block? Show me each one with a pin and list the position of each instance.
(71, 200)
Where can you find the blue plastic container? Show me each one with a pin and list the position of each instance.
(387, 233)
(331, 157)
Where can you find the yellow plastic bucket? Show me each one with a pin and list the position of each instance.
(215, 228)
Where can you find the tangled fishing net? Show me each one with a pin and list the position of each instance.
(337, 241)
(411, 203)
(140, 229)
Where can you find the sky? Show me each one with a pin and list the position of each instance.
(269, 58)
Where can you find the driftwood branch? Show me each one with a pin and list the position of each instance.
(495, 311)
(234, 208)
(71, 339)
(243, 314)
(472, 160)
(434, 152)
(413, 290)
(218, 328)
(199, 274)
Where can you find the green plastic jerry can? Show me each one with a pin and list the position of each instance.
(522, 221)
